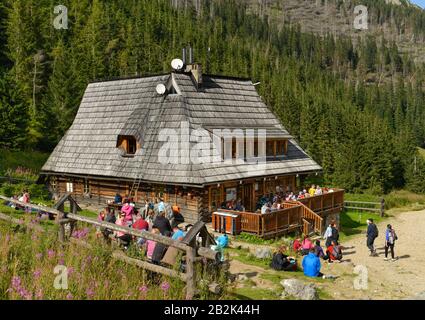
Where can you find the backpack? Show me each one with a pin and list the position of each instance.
(337, 252)
(392, 237)
(335, 234)
(376, 231)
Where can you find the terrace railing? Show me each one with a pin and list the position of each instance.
(294, 215)
(326, 202)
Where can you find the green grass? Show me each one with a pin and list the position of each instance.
(32, 160)
(421, 152)
(253, 239)
(361, 197)
(249, 293)
(398, 199)
(354, 222)
(244, 256)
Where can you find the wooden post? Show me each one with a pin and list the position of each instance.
(190, 272)
(382, 207)
(276, 221)
(61, 230)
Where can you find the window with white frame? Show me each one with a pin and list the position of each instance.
(69, 187)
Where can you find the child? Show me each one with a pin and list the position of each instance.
(150, 245)
(297, 245)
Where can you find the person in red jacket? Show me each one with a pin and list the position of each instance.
(334, 252)
(297, 245)
(142, 225)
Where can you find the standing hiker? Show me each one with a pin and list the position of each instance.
(390, 238)
(371, 234)
(331, 234)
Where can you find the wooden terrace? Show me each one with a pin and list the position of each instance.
(309, 215)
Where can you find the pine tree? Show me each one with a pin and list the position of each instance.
(13, 116)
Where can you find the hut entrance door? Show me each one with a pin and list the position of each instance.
(247, 197)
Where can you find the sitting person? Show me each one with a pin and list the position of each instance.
(222, 241)
(162, 223)
(297, 245)
(318, 191)
(142, 225)
(239, 206)
(109, 217)
(100, 218)
(312, 190)
(306, 246)
(127, 211)
(318, 251)
(334, 252)
(311, 265)
(123, 238)
(150, 245)
(159, 250)
(265, 208)
(177, 217)
(118, 199)
(177, 233)
(282, 262)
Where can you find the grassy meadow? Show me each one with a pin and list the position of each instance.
(28, 258)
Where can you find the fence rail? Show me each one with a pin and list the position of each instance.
(191, 249)
(375, 207)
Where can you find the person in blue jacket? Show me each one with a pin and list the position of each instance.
(311, 265)
(222, 241)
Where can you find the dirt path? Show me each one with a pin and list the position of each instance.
(406, 276)
(386, 280)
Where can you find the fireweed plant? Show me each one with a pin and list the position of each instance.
(28, 259)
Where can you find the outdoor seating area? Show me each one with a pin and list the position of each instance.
(308, 215)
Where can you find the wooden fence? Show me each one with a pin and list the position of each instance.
(189, 247)
(375, 207)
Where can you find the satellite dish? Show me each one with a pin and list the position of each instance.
(177, 64)
(160, 89)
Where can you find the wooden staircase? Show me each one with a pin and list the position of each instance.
(311, 223)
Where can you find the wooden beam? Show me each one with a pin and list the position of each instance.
(119, 255)
(190, 273)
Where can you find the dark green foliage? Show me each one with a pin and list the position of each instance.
(13, 116)
(356, 107)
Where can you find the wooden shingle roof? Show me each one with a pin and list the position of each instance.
(132, 107)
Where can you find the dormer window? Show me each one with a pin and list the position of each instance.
(128, 144)
(172, 90)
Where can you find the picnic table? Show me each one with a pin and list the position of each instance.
(114, 206)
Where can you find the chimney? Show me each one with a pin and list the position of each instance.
(184, 56)
(190, 54)
(195, 69)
